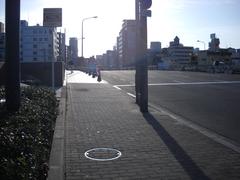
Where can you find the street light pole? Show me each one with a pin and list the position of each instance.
(82, 29)
(12, 85)
(203, 44)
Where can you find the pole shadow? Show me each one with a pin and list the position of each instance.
(190, 167)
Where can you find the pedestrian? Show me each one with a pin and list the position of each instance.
(99, 79)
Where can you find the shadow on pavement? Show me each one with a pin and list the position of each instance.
(181, 156)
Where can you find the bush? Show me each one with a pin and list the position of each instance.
(26, 135)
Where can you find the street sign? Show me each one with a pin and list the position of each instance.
(146, 13)
(52, 17)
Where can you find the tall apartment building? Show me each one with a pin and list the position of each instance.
(126, 43)
(38, 43)
(73, 43)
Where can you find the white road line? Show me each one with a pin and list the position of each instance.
(132, 95)
(212, 135)
(176, 81)
(183, 83)
(125, 85)
(195, 83)
(118, 88)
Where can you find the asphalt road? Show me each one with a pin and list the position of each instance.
(209, 100)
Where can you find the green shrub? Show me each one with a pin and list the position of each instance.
(26, 135)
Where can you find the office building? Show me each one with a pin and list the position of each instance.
(38, 43)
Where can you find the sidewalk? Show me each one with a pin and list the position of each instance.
(141, 146)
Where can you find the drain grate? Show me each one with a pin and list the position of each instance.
(103, 154)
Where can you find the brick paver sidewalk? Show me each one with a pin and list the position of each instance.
(152, 146)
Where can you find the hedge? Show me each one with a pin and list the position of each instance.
(26, 135)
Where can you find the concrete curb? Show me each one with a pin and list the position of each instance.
(56, 162)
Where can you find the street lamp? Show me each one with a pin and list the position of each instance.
(203, 43)
(82, 29)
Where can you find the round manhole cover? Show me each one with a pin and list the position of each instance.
(103, 154)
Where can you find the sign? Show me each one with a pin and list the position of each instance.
(146, 13)
(52, 17)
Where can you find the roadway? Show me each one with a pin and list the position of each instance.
(209, 100)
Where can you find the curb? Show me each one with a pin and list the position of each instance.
(56, 162)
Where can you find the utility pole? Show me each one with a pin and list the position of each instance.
(141, 80)
(137, 64)
(12, 54)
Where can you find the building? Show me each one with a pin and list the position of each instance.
(2, 42)
(235, 56)
(111, 59)
(214, 54)
(73, 43)
(62, 46)
(177, 55)
(2, 46)
(214, 43)
(155, 47)
(126, 44)
(208, 58)
(68, 55)
(1, 27)
(38, 43)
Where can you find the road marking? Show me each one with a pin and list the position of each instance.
(132, 95)
(212, 135)
(176, 81)
(195, 83)
(118, 88)
(125, 85)
(183, 83)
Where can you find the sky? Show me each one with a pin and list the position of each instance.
(190, 20)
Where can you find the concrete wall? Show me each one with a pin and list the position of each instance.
(38, 70)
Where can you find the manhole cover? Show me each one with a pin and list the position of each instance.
(103, 154)
(2, 101)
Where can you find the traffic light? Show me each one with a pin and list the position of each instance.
(145, 5)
